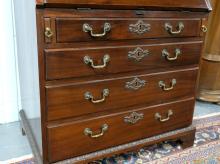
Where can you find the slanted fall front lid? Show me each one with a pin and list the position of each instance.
(192, 5)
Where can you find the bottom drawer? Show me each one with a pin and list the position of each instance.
(72, 139)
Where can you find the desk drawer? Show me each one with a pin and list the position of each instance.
(94, 61)
(94, 29)
(70, 100)
(77, 138)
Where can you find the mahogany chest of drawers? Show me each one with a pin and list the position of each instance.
(115, 75)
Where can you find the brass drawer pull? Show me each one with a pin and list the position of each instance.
(48, 32)
(89, 96)
(167, 55)
(133, 118)
(164, 87)
(159, 117)
(89, 132)
(89, 61)
(89, 29)
(179, 28)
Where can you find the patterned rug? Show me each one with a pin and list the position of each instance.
(206, 149)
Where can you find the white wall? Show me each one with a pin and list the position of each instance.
(19, 83)
(25, 22)
(9, 90)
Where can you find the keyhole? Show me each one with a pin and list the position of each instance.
(139, 54)
(134, 117)
(141, 27)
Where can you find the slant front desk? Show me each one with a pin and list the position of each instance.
(115, 75)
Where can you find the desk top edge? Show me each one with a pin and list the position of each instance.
(188, 5)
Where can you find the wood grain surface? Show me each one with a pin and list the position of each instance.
(71, 30)
(69, 63)
(68, 100)
(70, 136)
(195, 5)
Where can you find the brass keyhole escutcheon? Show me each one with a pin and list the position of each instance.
(204, 28)
(48, 32)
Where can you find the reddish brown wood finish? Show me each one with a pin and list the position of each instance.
(71, 30)
(71, 14)
(68, 63)
(68, 100)
(195, 5)
(62, 96)
(40, 42)
(188, 139)
(68, 140)
(103, 13)
(185, 139)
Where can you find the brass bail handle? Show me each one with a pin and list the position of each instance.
(89, 61)
(179, 28)
(167, 55)
(89, 96)
(90, 133)
(164, 87)
(88, 28)
(161, 119)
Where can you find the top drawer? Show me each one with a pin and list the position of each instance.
(94, 29)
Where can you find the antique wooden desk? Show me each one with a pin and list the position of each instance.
(115, 75)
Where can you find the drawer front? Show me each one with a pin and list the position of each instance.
(74, 139)
(92, 29)
(102, 60)
(97, 96)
